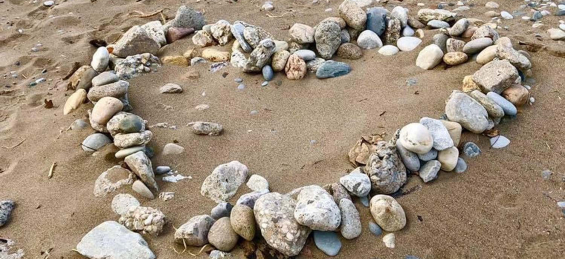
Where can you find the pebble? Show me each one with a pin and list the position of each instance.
(357, 183)
(105, 109)
(491, 5)
(280, 59)
(454, 45)
(140, 164)
(516, 94)
(222, 236)
(389, 240)
(349, 51)
(546, 174)
(328, 242)
(95, 142)
(448, 158)
(257, 183)
(142, 190)
(172, 149)
(440, 40)
(429, 170)
(243, 221)
(350, 227)
(74, 101)
(206, 128)
(331, 69)
(471, 149)
(170, 88)
(177, 33)
(416, 137)
(241, 87)
(6, 208)
(162, 169)
(429, 57)
(388, 50)
(295, 68)
(393, 30)
(455, 58)
(493, 109)
(364, 200)
(369, 40)
(410, 159)
(440, 135)
(237, 30)
(496, 76)
(475, 46)
(353, 15)
(249, 199)
(375, 229)
(316, 209)
(376, 20)
(195, 231)
(301, 33)
(217, 254)
(408, 43)
(463, 109)
(48, 3)
(345, 37)
(436, 24)
(100, 59)
(105, 78)
(401, 14)
(268, 73)
(432, 154)
(387, 213)
(407, 31)
(385, 169)
(556, 34)
(128, 151)
(459, 27)
(135, 41)
(223, 209)
(499, 141)
(79, 124)
(223, 182)
(305, 54)
(508, 107)
(461, 166)
(268, 6)
(506, 15)
(487, 54)
(122, 203)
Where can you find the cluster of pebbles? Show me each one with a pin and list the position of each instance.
(285, 221)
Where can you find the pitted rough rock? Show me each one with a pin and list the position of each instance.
(353, 15)
(485, 31)
(393, 30)
(122, 202)
(111, 240)
(135, 41)
(140, 164)
(280, 59)
(328, 38)
(350, 220)
(466, 111)
(337, 191)
(295, 68)
(207, 128)
(224, 181)
(203, 39)
(385, 169)
(426, 15)
(222, 236)
(132, 139)
(442, 139)
(429, 170)
(507, 52)
(145, 219)
(254, 34)
(401, 14)
(132, 66)
(195, 231)
(257, 183)
(111, 180)
(221, 31)
(274, 214)
(155, 30)
(260, 56)
(496, 76)
(356, 182)
(316, 209)
(388, 213)
(6, 208)
(243, 221)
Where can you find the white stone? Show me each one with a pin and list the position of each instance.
(388, 50)
(440, 135)
(369, 40)
(408, 43)
(416, 138)
(389, 240)
(429, 57)
(556, 34)
(387, 213)
(100, 59)
(223, 182)
(257, 183)
(448, 158)
(506, 15)
(316, 209)
(499, 141)
(122, 202)
(172, 149)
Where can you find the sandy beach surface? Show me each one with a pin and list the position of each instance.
(299, 133)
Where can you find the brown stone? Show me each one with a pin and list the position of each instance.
(455, 58)
(469, 85)
(177, 33)
(175, 60)
(516, 94)
(295, 68)
(349, 51)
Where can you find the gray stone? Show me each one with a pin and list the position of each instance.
(499, 141)
(428, 156)
(257, 183)
(408, 43)
(79, 124)
(436, 24)
(471, 149)
(255, 34)
(249, 199)
(429, 170)
(505, 51)
(274, 214)
(401, 14)
(410, 159)
(223, 209)
(207, 128)
(140, 164)
(328, 242)
(268, 73)
(376, 20)
(337, 191)
(124, 123)
(135, 41)
(301, 33)
(162, 169)
(112, 240)
(331, 69)
(364, 201)
(369, 40)
(187, 18)
(507, 107)
(195, 231)
(385, 169)
(132, 139)
(237, 30)
(345, 38)
(429, 57)
(461, 166)
(6, 208)
(328, 38)
(122, 202)
(316, 209)
(222, 236)
(494, 110)
(305, 54)
(459, 27)
(224, 181)
(426, 15)
(375, 229)
(95, 142)
(496, 76)
(350, 220)
(466, 111)
(260, 56)
(104, 78)
(440, 40)
(356, 182)
(440, 135)
(485, 31)
(170, 88)
(475, 46)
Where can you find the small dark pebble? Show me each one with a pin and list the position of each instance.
(420, 218)
(225, 74)
(18, 63)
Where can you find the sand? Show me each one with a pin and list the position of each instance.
(499, 208)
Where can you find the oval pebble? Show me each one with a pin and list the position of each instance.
(328, 242)
(499, 142)
(375, 229)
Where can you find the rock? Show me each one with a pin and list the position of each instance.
(369, 40)
(477, 45)
(461, 166)
(177, 33)
(331, 69)
(353, 15)
(516, 94)
(487, 55)
(301, 33)
(217, 254)
(305, 54)
(448, 158)
(284, 234)
(237, 30)
(207, 128)
(105, 109)
(328, 38)
(223, 209)
(100, 59)
(453, 45)
(215, 55)
(128, 151)
(6, 208)
(491, 5)
(556, 34)
(117, 90)
(135, 41)
(440, 40)
(142, 190)
(316, 209)
(410, 159)
(124, 123)
(506, 15)
(74, 101)
(280, 59)
(224, 181)
(507, 52)
(82, 78)
(313, 65)
(132, 139)
(496, 76)
(140, 164)
(243, 221)
(156, 31)
(454, 130)
(387, 213)
(170, 88)
(79, 124)
(466, 111)
(328, 242)
(145, 219)
(426, 15)
(249, 199)
(105, 78)
(112, 240)
(338, 20)
(222, 236)
(459, 27)
(357, 183)
(175, 61)
(203, 39)
(337, 191)
(485, 31)
(260, 56)
(471, 149)
(493, 109)
(375, 229)
(353, 33)
(195, 231)
(255, 34)
(123, 202)
(349, 51)
(268, 6)
(429, 170)
(388, 50)
(455, 58)
(401, 14)
(436, 24)
(407, 32)
(389, 240)
(350, 220)
(221, 31)
(268, 73)
(257, 183)
(440, 135)
(344, 35)
(376, 20)
(430, 155)
(133, 66)
(95, 142)
(111, 180)
(429, 57)
(508, 107)
(364, 201)
(187, 18)
(415, 137)
(414, 23)
(392, 33)
(295, 68)
(385, 169)
(499, 142)
(408, 43)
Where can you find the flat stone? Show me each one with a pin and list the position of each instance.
(429, 170)
(556, 34)
(128, 151)
(170, 88)
(475, 46)
(124, 122)
(207, 128)
(499, 142)
(117, 90)
(177, 33)
(494, 110)
(425, 15)
(328, 242)
(79, 124)
(305, 54)
(123, 202)
(195, 231)
(455, 58)
(387, 213)
(132, 139)
(331, 69)
(105, 78)
(172, 149)
(436, 24)
(223, 182)
(388, 50)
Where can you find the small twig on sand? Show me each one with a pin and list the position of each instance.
(51, 170)
(278, 16)
(14, 146)
(199, 252)
(140, 14)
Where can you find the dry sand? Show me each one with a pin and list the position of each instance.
(500, 208)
